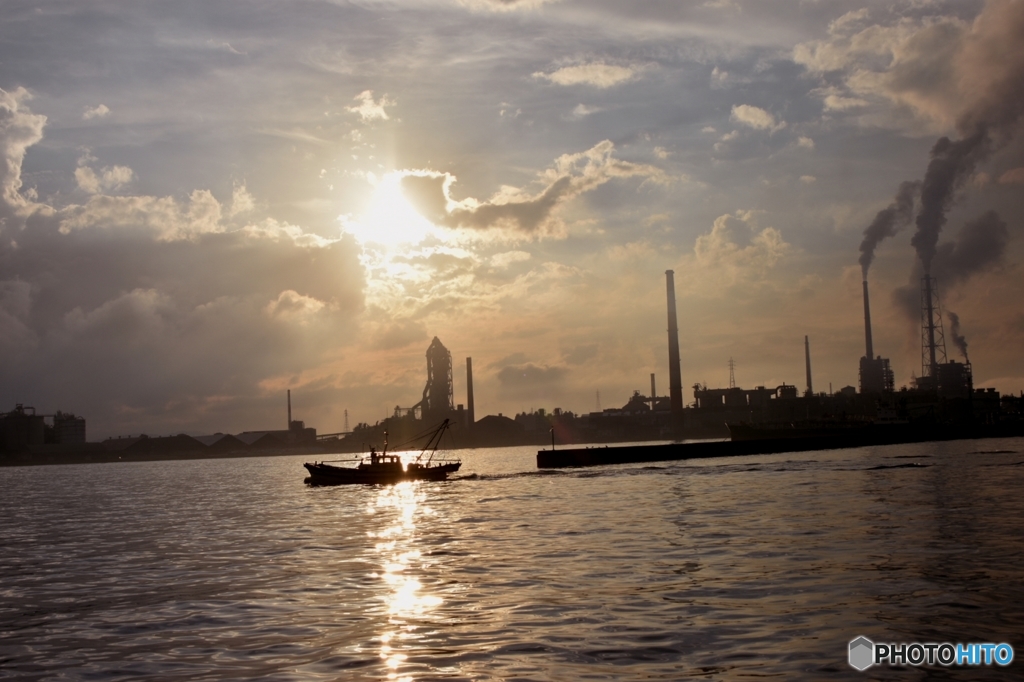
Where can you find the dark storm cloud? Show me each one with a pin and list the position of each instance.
(888, 222)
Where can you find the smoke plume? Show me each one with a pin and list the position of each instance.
(954, 330)
(979, 246)
(952, 163)
(888, 222)
(988, 72)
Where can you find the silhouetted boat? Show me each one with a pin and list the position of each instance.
(382, 468)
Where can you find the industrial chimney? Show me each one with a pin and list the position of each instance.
(675, 379)
(289, 409)
(875, 373)
(870, 352)
(471, 413)
(807, 359)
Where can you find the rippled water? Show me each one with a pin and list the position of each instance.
(715, 569)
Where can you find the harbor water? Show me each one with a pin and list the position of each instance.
(764, 566)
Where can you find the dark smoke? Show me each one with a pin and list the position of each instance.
(951, 165)
(979, 246)
(989, 69)
(888, 222)
(954, 330)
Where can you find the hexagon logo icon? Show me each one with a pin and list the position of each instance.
(862, 653)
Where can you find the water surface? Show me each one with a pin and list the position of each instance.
(760, 566)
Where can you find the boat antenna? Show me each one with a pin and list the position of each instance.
(435, 440)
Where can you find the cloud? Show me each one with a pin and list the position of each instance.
(755, 117)
(736, 243)
(400, 333)
(839, 103)
(805, 142)
(369, 109)
(579, 355)
(1014, 176)
(100, 111)
(595, 74)
(518, 210)
(504, 5)
(582, 111)
(507, 258)
(136, 309)
(292, 306)
(946, 71)
(808, 179)
(108, 179)
(19, 130)
(719, 77)
(530, 376)
(241, 200)
(162, 217)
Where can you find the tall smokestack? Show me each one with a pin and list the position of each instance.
(870, 351)
(807, 360)
(675, 379)
(654, 395)
(289, 409)
(929, 324)
(471, 413)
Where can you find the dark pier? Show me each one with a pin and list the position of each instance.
(634, 454)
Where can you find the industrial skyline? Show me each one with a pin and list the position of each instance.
(202, 207)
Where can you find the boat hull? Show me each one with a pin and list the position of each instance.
(327, 474)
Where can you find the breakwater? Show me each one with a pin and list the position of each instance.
(634, 454)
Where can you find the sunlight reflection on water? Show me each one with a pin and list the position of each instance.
(399, 505)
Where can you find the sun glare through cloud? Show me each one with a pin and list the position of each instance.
(390, 220)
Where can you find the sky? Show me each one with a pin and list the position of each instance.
(206, 204)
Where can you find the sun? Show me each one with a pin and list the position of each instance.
(390, 220)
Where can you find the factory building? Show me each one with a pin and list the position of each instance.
(22, 428)
(67, 428)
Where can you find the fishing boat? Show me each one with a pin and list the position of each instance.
(384, 468)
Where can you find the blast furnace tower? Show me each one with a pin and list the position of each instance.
(437, 402)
